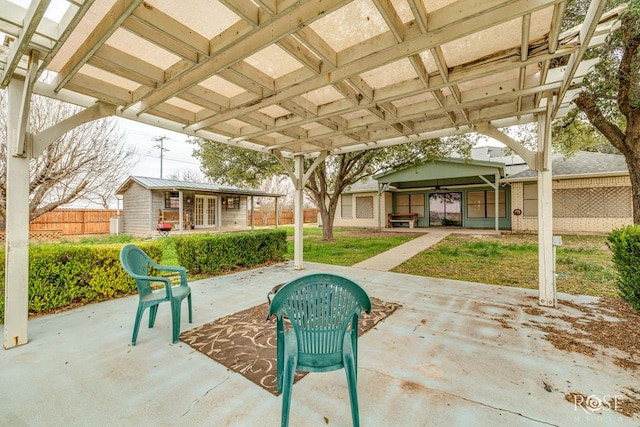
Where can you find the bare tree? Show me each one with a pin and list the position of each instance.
(86, 164)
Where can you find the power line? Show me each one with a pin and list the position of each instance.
(162, 149)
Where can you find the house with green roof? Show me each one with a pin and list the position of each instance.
(591, 194)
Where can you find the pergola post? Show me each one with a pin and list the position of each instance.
(298, 212)
(546, 294)
(16, 288)
(496, 202)
(299, 179)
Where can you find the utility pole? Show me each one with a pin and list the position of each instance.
(162, 149)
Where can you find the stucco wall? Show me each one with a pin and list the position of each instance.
(619, 186)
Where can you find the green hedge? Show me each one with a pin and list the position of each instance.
(61, 275)
(625, 245)
(216, 253)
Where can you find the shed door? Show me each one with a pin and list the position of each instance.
(205, 211)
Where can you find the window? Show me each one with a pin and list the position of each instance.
(410, 203)
(481, 204)
(416, 204)
(364, 207)
(232, 203)
(171, 199)
(530, 199)
(346, 204)
(475, 204)
(402, 203)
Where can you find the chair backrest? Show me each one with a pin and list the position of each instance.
(136, 263)
(320, 308)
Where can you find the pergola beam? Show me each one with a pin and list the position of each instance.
(359, 61)
(20, 46)
(111, 22)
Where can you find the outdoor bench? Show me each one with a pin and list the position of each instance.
(411, 219)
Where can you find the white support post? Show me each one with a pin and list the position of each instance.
(546, 295)
(181, 213)
(276, 219)
(252, 214)
(17, 221)
(298, 212)
(497, 205)
(299, 178)
(219, 213)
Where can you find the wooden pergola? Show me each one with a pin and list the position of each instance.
(296, 79)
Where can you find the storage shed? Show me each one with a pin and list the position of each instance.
(185, 206)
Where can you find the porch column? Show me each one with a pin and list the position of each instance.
(298, 212)
(219, 213)
(299, 178)
(546, 294)
(16, 290)
(181, 212)
(252, 214)
(497, 205)
(275, 220)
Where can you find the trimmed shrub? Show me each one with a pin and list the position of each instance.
(625, 245)
(216, 253)
(62, 275)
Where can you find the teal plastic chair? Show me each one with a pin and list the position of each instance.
(136, 263)
(323, 310)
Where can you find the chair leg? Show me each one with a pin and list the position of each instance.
(153, 311)
(352, 382)
(189, 303)
(175, 319)
(287, 379)
(136, 325)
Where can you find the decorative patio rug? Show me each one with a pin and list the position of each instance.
(245, 342)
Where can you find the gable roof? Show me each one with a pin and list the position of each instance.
(176, 185)
(583, 164)
(446, 171)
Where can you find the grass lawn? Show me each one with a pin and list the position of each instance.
(349, 246)
(583, 262)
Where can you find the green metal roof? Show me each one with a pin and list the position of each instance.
(176, 185)
(447, 171)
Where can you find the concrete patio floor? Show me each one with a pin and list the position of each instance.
(455, 354)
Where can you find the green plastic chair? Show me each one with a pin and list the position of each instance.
(323, 310)
(136, 263)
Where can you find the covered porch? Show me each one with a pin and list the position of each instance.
(455, 353)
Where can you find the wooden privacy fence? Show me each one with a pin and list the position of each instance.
(75, 221)
(285, 217)
(69, 222)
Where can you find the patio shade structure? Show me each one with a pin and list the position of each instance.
(298, 79)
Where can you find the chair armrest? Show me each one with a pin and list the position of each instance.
(165, 280)
(174, 268)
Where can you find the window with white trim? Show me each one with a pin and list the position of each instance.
(346, 206)
(530, 199)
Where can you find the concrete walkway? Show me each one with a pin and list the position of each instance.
(396, 256)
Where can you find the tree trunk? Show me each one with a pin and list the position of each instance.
(632, 157)
(327, 223)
